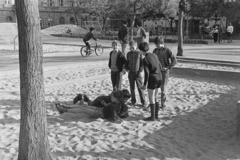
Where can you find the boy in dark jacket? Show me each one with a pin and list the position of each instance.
(135, 67)
(167, 60)
(113, 111)
(89, 36)
(103, 101)
(116, 63)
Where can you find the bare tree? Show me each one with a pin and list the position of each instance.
(33, 139)
(182, 6)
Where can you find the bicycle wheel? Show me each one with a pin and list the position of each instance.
(83, 51)
(99, 50)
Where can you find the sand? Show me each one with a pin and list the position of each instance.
(199, 122)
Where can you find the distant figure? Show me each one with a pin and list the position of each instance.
(123, 36)
(141, 34)
(68, 31)
(229, 32)
(88, 37)
(215, 33)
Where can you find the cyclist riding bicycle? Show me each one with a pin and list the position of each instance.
(87, 37)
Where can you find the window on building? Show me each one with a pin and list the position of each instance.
(7, 2)
(9, 19)
(60, 2)
(41, 23)
(50, 22)
(72, 20)
(50, 2)
(61, 20)
(72, 3)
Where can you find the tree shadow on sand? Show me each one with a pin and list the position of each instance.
(207, 132)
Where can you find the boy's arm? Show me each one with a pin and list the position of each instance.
(109, 62)
(143, 33)
(141, 63)
(146, 72)
(92, 36)
(127, 63)
(172, 57)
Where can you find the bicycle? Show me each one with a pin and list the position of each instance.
(98, 49)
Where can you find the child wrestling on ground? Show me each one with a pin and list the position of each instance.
(112, 111)
(103, 101)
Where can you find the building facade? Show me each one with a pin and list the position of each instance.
(52, 12)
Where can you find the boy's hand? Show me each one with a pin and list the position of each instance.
(143, 87)
(103, 103)
(165, 69)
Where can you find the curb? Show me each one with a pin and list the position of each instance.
(208, 61)
(78, 45)
(216, 74)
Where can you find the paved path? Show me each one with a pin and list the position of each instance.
(222, 52)
(225, 51)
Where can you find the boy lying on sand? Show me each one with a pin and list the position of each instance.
(111, 107)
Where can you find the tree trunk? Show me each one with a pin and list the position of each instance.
(180, 28)
(33, 139)
(132, 26)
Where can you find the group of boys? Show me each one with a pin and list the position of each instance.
(134, 65)
(132, 62)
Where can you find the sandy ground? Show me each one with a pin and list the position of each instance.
(199, 122)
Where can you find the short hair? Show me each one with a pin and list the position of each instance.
(92, 28)
(159, 40)
(139, 23)
(124, 22)
(126, 93)
(144, 46)
(114, 42)
(132, 43)
(118, 95)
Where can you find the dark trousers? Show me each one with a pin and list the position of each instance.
(116, 78)
(215, 37)
(165, 77)
(87, 44)
(136, 77)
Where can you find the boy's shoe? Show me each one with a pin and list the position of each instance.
(133, 104)
(163, 107)
(60, 109)
(144, 105)
(77, 98)
(146, 108)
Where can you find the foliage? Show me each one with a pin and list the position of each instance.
(210, 8)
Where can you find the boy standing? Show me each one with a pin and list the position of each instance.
(116, 63)
(167, 60)
(89, 36)
(135, 67)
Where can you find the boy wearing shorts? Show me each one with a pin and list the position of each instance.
(152, 79)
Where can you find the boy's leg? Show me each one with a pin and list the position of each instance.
(124, 45)
(139, 81)
(131, 78)
(114, 80)
(165, 76)
(119, 80)
(151, 95)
